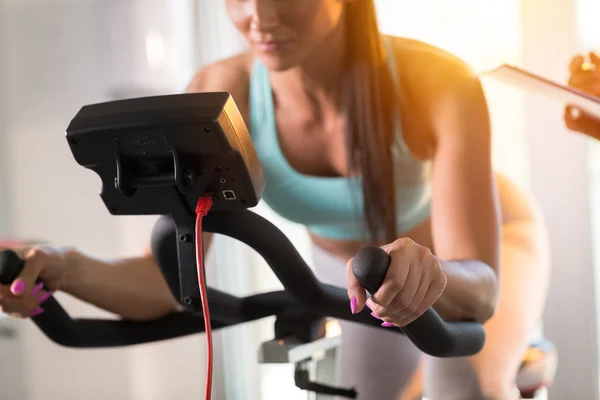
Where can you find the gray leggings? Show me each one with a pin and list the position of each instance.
(379, 364)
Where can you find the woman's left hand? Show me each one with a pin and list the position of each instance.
(413, 283)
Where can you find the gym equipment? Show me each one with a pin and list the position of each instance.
(158, 156)
(538, 369)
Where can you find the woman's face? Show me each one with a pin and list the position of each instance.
(283, 33)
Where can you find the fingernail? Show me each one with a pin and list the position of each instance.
(37, 311)
(387, 324)
(37, 288)
(18, 287)
(375, 316)
(353, 304)
(44, 297)
(367, 304)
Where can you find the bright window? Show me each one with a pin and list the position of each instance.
(485, 34)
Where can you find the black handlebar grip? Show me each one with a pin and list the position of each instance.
(10, 266)
(370, 266)
(429, 332)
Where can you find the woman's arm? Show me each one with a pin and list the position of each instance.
(465, 209)
(133, 287)
(584, 76)
(460, 278)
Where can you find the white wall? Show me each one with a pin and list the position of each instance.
(54, 60)
(13, 383)
(60, 56)
(587, 12)
(3, 164)
(561, 184)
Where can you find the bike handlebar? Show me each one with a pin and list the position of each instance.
(59, 327)
(429, 332)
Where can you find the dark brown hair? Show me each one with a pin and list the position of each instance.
(371, 106)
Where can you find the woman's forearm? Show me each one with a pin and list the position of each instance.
(471, 291)
(133, 288)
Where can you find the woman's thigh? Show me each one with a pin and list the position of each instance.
(524, 275)
(378, 364)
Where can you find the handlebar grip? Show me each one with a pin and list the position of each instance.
(10, 266)
(370, 266)
(429, 332)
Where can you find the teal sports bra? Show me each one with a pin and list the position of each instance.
(330, 207)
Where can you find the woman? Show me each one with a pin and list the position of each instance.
(584, 75)
(363, 139)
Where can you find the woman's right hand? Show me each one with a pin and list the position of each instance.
(24, 297)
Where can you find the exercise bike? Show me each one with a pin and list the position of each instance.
(159, 156)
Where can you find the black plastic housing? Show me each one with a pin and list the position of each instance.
(196, 142)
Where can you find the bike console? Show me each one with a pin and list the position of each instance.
(159, 155)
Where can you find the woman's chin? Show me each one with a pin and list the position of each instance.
(275, 62)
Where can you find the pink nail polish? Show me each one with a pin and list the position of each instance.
(37, 311)
(44, 297)
(37, 288)
(18, 287)
(374, 315)
(387, 324)
(353, 304)
(368, 306)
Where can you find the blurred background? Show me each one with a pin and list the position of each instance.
(58, 55)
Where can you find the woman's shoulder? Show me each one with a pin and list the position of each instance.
(426, 62)
(230, 75)
(427, 75)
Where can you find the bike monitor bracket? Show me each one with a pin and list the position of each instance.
(159, 155)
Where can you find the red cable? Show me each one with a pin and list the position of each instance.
(204, 205)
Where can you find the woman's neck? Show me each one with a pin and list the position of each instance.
(318, 80)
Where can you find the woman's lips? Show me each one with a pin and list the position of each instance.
(270, 45)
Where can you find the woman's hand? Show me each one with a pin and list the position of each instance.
(413, 283)
(585, 75)
(24, 297)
